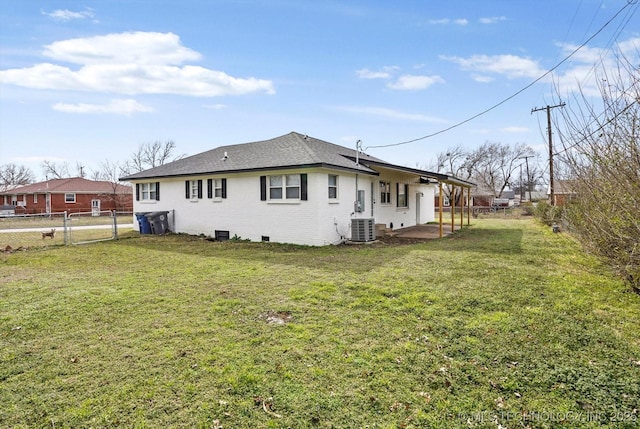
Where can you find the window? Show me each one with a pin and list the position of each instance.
(283, 187)
(275, 187)
(148, 191)
(293, 186)
(217, 188)
(69, 198)
(35, 198)
(287, 186)
(385, 192)
(333, 186)
(403, 190)
(193, 189)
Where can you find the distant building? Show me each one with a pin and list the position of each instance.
(73, 195)
(563, 192)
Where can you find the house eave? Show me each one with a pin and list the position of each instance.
(422, 173)
(134, 177)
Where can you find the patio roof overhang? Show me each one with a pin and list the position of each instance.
(437, 178)
(428, 175)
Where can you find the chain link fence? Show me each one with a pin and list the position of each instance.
(19, 232)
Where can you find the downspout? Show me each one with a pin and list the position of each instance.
(358, 148)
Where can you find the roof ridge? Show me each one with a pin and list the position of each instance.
(305, 144)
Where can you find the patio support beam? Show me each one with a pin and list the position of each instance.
(461, 206)
(468, 206)
(440, 207)
(453, 208)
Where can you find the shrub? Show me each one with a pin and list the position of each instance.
(548, 214)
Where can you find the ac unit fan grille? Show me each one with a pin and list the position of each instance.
(363, 230)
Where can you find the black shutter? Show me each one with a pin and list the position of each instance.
(224, 188)
(187, 189)
(209, 188)
(303, 187)
(263, 188)
(157, 191)
(199, 188)
(397, 194)
(137, 192)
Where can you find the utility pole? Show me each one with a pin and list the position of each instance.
(548, 109)
(526, 160)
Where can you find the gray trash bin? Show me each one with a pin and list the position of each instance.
(159, 222)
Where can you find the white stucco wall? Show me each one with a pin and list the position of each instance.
(402, 217)
(318, 221)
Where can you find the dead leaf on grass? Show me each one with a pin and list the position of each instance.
(266, 406)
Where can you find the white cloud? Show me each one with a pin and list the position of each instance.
(482, 78)
(117, 107)
(413, 82)
(589, 65)
(130, 63)
(492, 19)
(580, 73)
(368, 74)
(390, 113)
(68, 15)
(447, 21)
(384, 73)
(511, 66)
(140, 48)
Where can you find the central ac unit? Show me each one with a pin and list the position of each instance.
(363, 230)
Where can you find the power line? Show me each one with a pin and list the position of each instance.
(610, 120)
(477, 115)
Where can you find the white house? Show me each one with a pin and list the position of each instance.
(290, 189)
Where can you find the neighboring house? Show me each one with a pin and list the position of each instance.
(289, 189)
(563, 192)
(483, 197)
(71, 195)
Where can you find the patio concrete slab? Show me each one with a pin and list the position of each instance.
(428, 231)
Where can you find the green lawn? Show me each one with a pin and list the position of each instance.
(502, 323)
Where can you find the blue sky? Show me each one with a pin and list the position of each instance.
(82, 82)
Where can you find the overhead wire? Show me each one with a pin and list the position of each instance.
(500, 103)
(602, 55)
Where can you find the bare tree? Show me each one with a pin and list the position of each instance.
(601, 153)
(53, 170)
(151, 154)
(111, 171)
(491, 166)
(459, 162)
(12, 175)
(496, 165)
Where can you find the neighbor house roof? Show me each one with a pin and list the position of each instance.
(564, 187)
(291, 150)
(71, 184)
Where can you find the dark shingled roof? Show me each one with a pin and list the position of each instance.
(292, 150)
